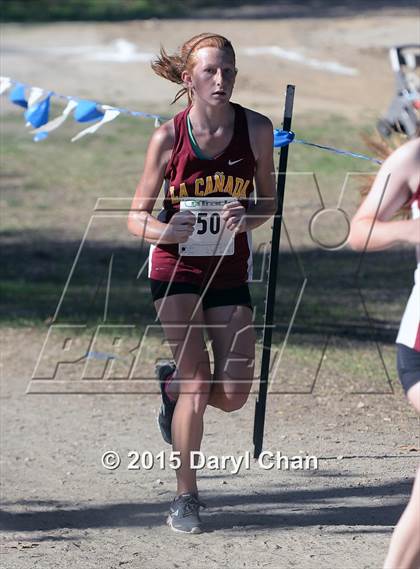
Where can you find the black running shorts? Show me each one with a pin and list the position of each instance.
(408, 366)
(213, 297)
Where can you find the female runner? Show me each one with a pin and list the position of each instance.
(214, 148)
(372, 228)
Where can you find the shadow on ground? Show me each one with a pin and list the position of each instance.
(326, 507)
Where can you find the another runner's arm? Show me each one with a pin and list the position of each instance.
(140, 221)
(261, 138)
(372, 227)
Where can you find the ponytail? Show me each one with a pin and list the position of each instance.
(170, 67)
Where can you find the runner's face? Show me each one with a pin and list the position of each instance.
(213, 76)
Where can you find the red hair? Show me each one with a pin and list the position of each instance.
(171, 66)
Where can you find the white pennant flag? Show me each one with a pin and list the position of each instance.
(5, 83)
(58, 121)
(34, 96)
(110, 114)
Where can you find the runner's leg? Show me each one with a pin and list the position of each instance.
(233, 342)
(404, 549)
(184, 332)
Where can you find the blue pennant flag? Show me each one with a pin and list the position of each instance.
(87, 111)
(283, 137)
(37, 114)
(17, 96)
(40, 135)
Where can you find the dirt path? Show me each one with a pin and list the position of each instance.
(61, 505)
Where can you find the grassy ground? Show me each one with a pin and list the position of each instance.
(49, 191)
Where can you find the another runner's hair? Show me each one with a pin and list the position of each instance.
(383, 149)
(171, 66)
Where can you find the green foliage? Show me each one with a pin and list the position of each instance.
(97, 10)
(53, 10)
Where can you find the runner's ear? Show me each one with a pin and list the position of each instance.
(186, 78)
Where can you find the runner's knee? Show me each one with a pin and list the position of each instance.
(196, 389)
(233, 402)
(197, 400)
(413, 395)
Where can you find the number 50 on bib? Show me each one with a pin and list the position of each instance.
(210, 237)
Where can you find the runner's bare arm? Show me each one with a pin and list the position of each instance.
(261, 139)
(400, 174)
(140, 221)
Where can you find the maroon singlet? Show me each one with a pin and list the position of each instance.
(230, 174)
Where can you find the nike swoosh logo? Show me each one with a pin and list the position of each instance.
(232, 162)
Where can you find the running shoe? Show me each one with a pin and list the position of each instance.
(166, 411)
(184, 513)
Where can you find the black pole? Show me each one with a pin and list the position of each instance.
(259, 418)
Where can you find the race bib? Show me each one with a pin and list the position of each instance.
(210, 237)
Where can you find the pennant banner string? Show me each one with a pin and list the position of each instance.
(88, 110)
